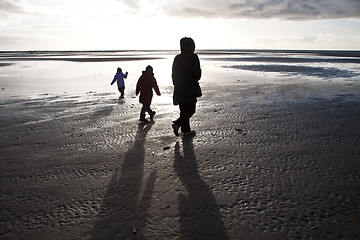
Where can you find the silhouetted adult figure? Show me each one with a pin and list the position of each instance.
(186, 73)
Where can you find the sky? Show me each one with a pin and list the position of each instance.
(160, 24)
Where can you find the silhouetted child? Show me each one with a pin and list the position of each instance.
(145, 86)
(119, 77)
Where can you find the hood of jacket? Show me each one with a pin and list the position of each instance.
(187, 45)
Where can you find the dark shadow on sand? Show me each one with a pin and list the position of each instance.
(124, 204)
(103, 112)
(199, 212)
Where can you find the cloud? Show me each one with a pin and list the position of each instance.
(265, 9)
(133, 4)
(12, 10)
(14, 6)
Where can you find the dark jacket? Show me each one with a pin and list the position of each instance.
(145, 86)
(186, 72)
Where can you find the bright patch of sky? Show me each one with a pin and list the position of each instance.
(159, 24)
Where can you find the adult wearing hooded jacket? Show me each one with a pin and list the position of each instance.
(186, 73)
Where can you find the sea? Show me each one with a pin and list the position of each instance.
(32, 74)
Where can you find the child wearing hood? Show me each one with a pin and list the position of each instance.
(145, 86)
(119, 77)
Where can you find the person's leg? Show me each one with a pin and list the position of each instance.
(151, 113)
(122, 92)
(148, 110)
(187, 110)
(177, 123)
(142, 113)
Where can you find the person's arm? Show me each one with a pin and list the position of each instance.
(197, 68)
(156, 87)
(114, 80)
(137, 91)
(175, 69)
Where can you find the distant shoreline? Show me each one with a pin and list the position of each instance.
(352, 56)
(201, 51)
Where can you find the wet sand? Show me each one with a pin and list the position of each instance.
(268, 162)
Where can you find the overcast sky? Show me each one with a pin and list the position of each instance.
(159, 24)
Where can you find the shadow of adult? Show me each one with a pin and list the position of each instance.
(199, 212)
(124, 209)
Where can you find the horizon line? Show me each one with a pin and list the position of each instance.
(170, 50)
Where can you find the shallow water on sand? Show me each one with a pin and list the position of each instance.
(34, 73)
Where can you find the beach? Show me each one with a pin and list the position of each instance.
(276, 154)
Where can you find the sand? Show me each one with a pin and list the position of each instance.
(269, 161)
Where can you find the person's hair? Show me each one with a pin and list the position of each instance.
(119, 70)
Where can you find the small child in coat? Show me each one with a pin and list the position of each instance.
(119, 77)
(145, 86)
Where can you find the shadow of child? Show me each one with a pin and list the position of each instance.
(124, 212)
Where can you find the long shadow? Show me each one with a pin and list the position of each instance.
(200, 216)
(123, 207)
